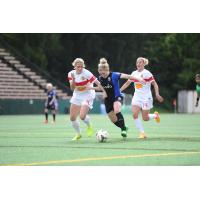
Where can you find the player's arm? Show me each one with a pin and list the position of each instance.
(72, 82)
(156, 89)
(125, 85)
(133, 77)
(101, 88)
(53, 99)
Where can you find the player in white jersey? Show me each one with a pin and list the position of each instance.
(82, 100)
(142, 99)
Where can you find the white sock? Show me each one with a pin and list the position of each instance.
(138, 125)
(87, 120)
(76, 126)
(152, 116)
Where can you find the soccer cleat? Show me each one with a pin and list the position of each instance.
(90, 131)
(53, 122)
(76, 137)
(124, 132)
(142, 136)
(45, 122)
(157, 119)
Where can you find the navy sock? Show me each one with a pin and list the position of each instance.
(121, 121)
(46, 116)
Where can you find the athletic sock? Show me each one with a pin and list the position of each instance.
(46, 116)
(117, 124)
(138, 125)
(152, 116)
(54, 117)
(121, 121)
(87, 120)
(76, 126)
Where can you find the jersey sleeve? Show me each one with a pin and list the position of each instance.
(69, 77)
(90, 77)
(54, 93)
(148, 76)
(116, 75)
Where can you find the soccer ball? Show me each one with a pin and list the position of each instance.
(102, 135)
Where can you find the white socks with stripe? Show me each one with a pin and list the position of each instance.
(76, 126)
(138, 125)
(87, 120)
(152, 116)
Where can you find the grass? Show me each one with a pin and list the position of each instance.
(25, 140)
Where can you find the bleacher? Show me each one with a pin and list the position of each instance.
(17, 81)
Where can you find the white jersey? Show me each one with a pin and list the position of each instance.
(143, 91)
(85, 78)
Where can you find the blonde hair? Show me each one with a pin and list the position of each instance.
(103, 64)
(145, 60)
(78, 60)
(49, 86)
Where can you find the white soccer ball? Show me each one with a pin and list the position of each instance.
(102, 135)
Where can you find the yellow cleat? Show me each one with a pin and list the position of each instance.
(157, 119)
(76, 137)
(142, 136)
(90, 131)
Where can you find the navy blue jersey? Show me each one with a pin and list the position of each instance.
(50, 95)
(111, 85)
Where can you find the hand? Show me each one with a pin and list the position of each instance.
(159, 98)
(89, 87)
(141, 80)
(104, 95)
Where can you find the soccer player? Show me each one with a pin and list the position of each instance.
(142, 99)
(197, 79)
(50, 103)
(82, 100)
(113, 102)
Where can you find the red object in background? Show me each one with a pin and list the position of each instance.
(174, 102)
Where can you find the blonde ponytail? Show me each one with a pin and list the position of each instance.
(145, 60)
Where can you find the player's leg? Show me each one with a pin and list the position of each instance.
(54, 115)
(74, 112)
(113, 118)
(46, 115)
(120, 118)
(146, 106)
(197, 101)
(135, 110)
(85, 108)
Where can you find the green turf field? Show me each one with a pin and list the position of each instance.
(25, 140)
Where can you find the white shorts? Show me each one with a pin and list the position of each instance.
(83, 100)
(143, 104)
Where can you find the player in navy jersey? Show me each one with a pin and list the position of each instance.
(51, 103)
(113, 102)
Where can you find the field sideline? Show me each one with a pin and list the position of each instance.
(25, 140)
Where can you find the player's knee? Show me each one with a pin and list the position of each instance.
(46, 110)
(72, 118)
(82, 116)
(135, 115)
(145, 118)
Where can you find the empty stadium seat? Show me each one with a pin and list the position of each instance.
(19, 82)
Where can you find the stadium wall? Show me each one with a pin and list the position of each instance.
(14, 107)
(187, 101)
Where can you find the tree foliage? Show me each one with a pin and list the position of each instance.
(174, 58)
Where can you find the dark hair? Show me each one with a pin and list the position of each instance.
(197, 76)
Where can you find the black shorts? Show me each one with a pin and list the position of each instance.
(109, 103)
(51, 107)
